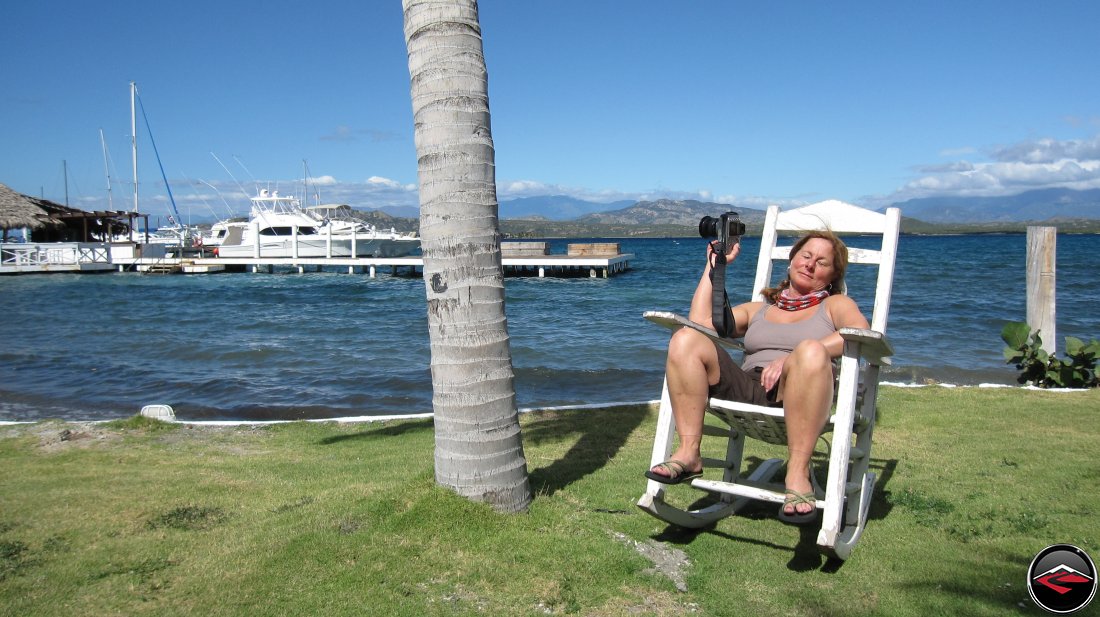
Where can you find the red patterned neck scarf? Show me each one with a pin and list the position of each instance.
(787, 301)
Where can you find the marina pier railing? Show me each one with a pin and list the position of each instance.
(54, 256)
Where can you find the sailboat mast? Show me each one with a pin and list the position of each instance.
(106, 170)
(305, 183)
(133, 138)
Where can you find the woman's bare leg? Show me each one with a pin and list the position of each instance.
(807, 398)
(691, 369)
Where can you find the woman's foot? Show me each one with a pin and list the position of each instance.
(798, 508)
(672, 471)
(799, 505)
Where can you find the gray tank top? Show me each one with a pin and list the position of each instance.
(766, 341)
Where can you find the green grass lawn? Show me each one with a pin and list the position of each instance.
(141, 518)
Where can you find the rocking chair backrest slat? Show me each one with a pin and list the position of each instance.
(839, 218)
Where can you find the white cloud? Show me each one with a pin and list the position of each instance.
(524, 188)
(1015, 168)
(384, 182)
(1049, 151)
(1009, 177)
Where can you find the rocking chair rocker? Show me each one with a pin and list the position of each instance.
(845, 500)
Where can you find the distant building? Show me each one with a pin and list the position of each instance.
(51, 222)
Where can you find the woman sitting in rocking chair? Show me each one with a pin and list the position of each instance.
(790, 343)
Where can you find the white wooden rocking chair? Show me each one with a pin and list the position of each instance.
(846, 498)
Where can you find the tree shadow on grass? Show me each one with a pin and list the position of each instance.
(602, 435)
(387, 429)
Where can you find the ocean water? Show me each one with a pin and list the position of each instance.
(331, 344)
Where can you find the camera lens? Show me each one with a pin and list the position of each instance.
(708, 227)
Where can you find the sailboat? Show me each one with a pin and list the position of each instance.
(176, 232)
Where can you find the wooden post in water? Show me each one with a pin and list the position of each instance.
(1041, 243)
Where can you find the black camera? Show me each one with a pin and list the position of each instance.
(725, 228)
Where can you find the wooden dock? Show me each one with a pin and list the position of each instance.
(592, 260)
(543, 266)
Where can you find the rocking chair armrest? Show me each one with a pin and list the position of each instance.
(874, 347)
(674, 322)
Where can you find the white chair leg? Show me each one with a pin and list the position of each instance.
(836, 486)
(662, 441)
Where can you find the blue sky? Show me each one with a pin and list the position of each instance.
(736, 102)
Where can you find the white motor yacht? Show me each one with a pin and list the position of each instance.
(280, 227)
(218, 232)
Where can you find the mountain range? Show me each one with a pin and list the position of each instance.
(671, 212)
(1043, 205)
(565, 209)
(1040, 205)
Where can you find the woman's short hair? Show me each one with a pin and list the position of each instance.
(840, 264)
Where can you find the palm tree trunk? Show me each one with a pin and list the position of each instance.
(478, 450)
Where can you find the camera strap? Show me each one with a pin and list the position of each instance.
(721, 314)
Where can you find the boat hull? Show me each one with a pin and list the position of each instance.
(320, 247)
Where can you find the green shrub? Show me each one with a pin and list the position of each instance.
(1037, 367)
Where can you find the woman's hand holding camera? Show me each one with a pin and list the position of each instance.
(731, 252)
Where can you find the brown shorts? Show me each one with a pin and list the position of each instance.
(735, 384)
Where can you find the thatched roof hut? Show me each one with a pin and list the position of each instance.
(18, 210)
(52, 222)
